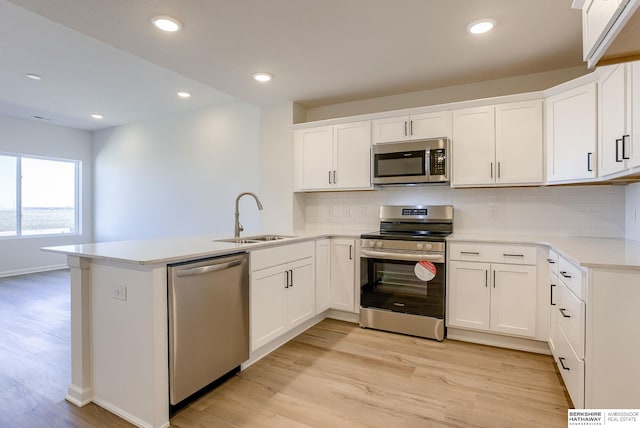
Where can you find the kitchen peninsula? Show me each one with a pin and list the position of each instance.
(119, 316)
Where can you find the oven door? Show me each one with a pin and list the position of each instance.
(390, 283)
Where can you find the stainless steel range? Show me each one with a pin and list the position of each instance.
(403, 270)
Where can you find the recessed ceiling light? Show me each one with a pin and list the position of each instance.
(184, 94)
(34, 76)
(481, 26)
(167, 23)
(262, 77)
(97, 116)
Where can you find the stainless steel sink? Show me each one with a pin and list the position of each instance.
(239, 241)
(270, 237)
(255, 239)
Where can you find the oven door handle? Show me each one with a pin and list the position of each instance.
(374, 254)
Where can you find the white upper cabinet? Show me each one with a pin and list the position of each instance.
(498, 145)
(413, 127)
(617, 150)
(610, 31)
(335, 157)
(473, 146)
(572, 134)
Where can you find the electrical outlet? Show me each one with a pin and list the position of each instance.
(120, 292)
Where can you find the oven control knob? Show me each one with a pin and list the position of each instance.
(419, 246)
(428, 246)
(379, 244)
(371, 243)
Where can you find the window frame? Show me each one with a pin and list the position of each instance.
(19, 209)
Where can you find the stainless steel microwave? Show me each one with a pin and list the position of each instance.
(411, 162)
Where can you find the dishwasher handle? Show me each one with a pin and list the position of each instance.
(207, 269)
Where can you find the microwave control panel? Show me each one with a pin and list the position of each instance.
(437, 162)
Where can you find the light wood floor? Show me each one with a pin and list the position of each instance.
(333, 375)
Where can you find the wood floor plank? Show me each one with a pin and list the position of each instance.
(336, 374)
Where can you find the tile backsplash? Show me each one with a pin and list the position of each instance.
(594, 211)
(632, 212)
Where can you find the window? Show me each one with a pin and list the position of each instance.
(38, 196)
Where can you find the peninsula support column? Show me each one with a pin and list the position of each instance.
(81, 389)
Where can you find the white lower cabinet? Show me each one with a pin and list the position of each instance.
(323, 275)
(492, 297)
(343, 274)
(281, 295)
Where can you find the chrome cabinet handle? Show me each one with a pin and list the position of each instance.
(405, 128)
(563, 314)
(561, 359)
(411, 128)
(564, 274)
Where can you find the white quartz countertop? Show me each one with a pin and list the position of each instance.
(607, 253)
(586, 252)
(175, 249)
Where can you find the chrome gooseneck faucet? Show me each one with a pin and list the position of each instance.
(238, 227)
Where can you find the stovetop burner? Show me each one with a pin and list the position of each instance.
(414, 223)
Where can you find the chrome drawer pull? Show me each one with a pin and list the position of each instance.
(563, 314)
(561, 359)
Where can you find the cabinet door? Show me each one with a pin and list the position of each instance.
(313, 158)
(519, 143)
(513, 299)
(343, 285)
(597, 19)
(469, 295)
(390, 129)
(322, 275)
(300, 291)
(613, 108)
(634, 144)
(554, 290)
(572, 118)
(430, 125)
(352, 155)
(268, 310)
(473, 146)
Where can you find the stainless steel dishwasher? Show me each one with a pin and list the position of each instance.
(208, 321)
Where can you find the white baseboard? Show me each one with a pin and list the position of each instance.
(32, 270)
(521, 344)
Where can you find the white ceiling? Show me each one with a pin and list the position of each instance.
(104, 56)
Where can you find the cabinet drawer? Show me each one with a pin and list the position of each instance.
(572, 370)
(572, 276)
(571, 318)
(268, 257)
(552, 261)
(493, 253)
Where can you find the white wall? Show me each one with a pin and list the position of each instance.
(276, 168)
(472, 91)
(23, 255)
(178, 175)
(596, 211)
(632, 211)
